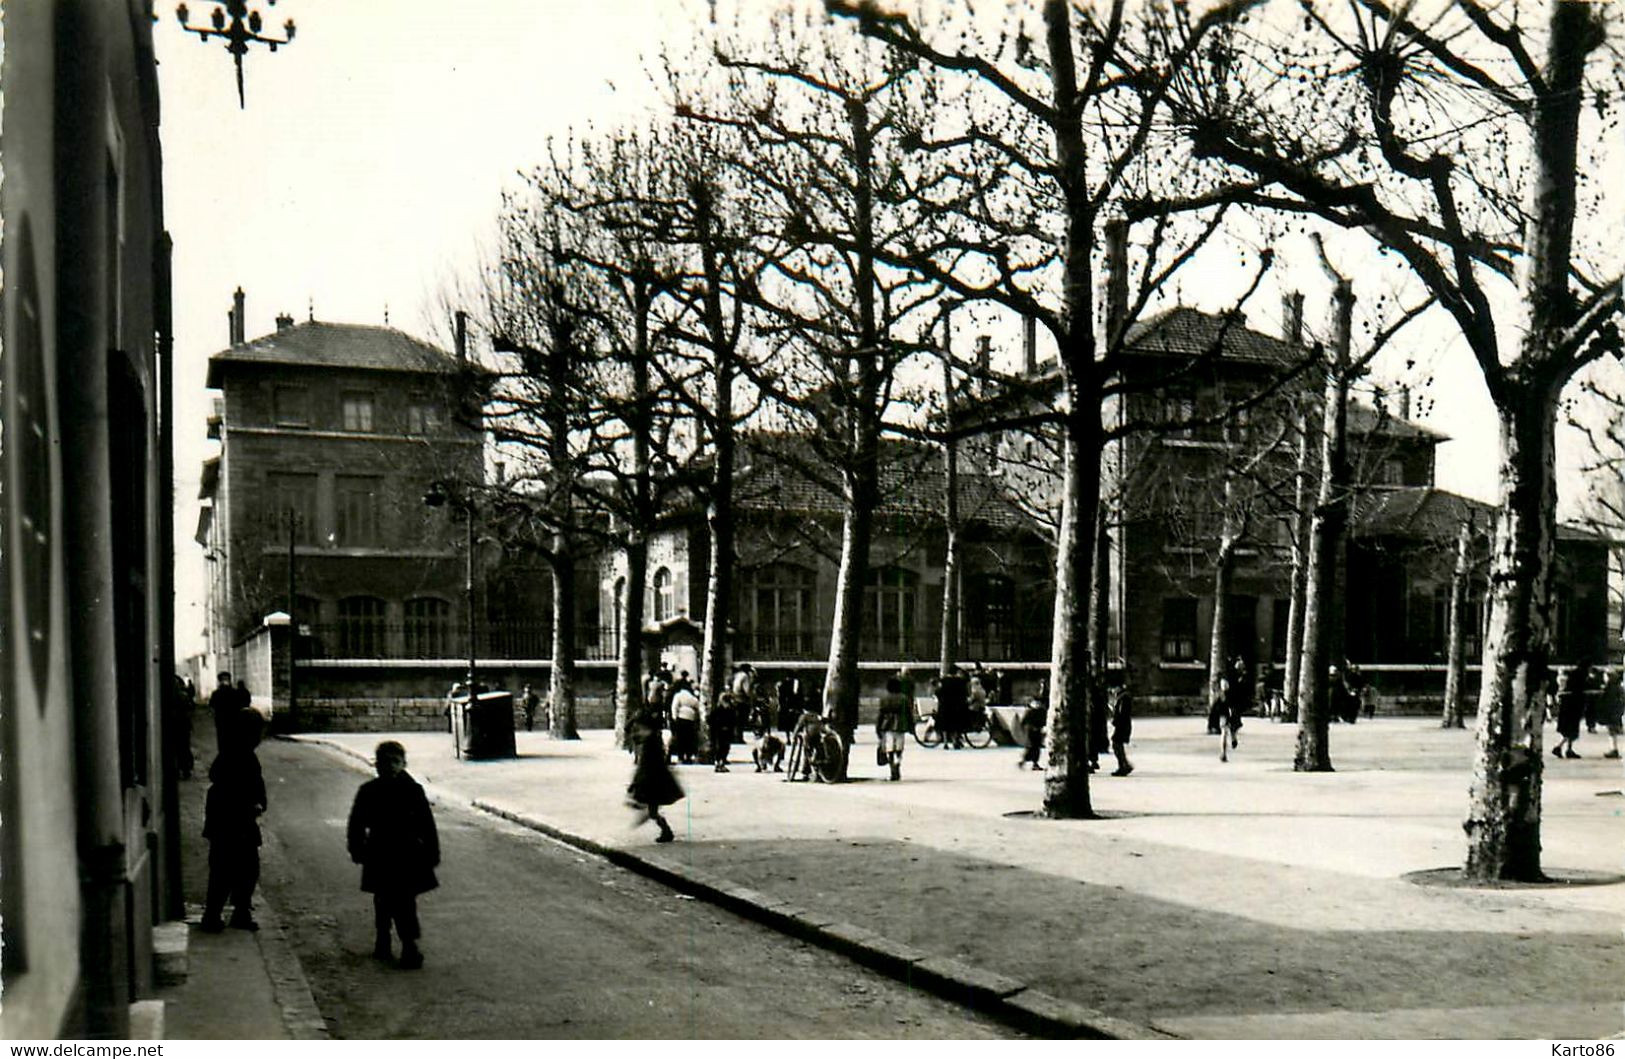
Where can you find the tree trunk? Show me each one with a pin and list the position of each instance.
(841, 689)
(1291, 680)
(1456, 649)
(1331, 514)
(629, 663)
(1503, 821)
(1100, 590)
(719, 587)
(562, 690)
(1066, 743)
(629, 668)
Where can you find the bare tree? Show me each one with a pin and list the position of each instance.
(1416, 112)
(1063, 121)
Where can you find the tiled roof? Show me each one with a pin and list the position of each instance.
(1365, 420)
(913, 484)
(1428, 514)
(324, 345)
(1186, 332)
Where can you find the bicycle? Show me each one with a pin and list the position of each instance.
(977, 733)
(815, 750)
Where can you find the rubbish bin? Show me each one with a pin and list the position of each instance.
(488, 725)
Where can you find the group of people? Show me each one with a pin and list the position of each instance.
(390, 832)
(1587, 697)
(673, 703)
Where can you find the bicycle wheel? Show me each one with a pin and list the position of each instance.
(980, 737)
(925, 732)
(827, 762)
(793, 758)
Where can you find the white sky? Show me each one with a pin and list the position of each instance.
(370, 159)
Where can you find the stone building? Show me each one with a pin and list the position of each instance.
(330, 437)
(788, 543)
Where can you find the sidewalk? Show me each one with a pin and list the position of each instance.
(1213, 900)
(239, 985)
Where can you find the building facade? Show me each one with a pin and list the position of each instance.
(89, 823)
(331, 436)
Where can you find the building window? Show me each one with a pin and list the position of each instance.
(990, 609)
(889, 613)
(1179, 630)
(1392, 473)
(665, 595)
(422, 418)
(356, 500)
(1178, 411)
(290, 406)
(357, 411)
(428, 628)
(294, 493)
(361, 627)
(776, 616)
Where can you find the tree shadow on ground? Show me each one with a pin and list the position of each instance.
(1141, 957)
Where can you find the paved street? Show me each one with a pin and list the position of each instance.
(527, 938)
(1212, 900)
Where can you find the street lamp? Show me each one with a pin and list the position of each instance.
(440, 494)
(243, 27)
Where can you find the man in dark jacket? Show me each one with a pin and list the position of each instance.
(223, 705)
(393, 837)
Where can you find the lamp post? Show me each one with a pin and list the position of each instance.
(439, 494)
(239, 25)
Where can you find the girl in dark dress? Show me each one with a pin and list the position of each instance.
(652, 784)
(392, 836)
(1570, 710)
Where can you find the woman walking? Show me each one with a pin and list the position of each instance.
(652, 784)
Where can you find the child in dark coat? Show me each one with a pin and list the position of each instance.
(652, 784)
(231, 814)
(393, 837)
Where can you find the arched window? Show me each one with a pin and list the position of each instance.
(665, 593)
(777, 615)
(990, 612)
(428, 628)
(889, 613)
(361, 627)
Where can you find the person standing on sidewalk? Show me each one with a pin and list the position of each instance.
(1570, 710)
(1122, 706)
(892, 724)
(223, 707)
(1033, 722)
(1611, 710)
(719, 725)
(530, 701)
(685, 725)
(391, 834)
(653, 785)
(231, 813)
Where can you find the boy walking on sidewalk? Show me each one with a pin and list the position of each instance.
(393, 837)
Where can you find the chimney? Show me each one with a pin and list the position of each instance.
(284, 321)
(984, 359)
(1116, 278)
(462, 336)
(1292, 317)
(1404, 402)
(238, 334)
(1029, 346)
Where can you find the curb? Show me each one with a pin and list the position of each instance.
(1007, 999)
(290, 989)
